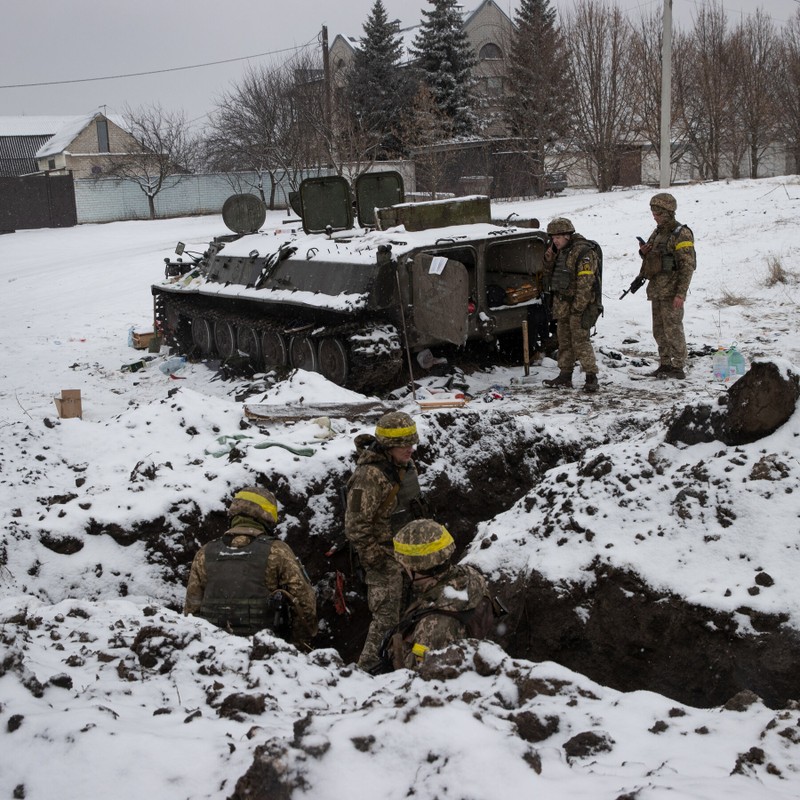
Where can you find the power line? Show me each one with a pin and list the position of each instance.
(156, 71)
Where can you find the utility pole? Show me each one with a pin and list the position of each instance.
(326, 71)
(666, 95)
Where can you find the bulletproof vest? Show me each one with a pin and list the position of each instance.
(562, 281)
(236, 596)
(662, 256)
(410, 505)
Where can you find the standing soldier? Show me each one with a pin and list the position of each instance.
(241, 581)
(571, 268)
(449, 601)
(668, 262)
(383, 495)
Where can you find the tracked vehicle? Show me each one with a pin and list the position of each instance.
(351, 302)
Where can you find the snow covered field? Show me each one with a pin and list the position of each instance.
(104, 688)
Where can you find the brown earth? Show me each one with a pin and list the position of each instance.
(629, 636)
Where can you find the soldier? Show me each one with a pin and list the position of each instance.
(383, 495)
(240, 581)
(449, 601)
(570, 267)
(668, 262)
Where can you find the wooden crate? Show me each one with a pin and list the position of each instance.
(141, 340)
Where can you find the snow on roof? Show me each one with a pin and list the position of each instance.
(66, 134)
(33, 125)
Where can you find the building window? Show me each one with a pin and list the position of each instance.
(102, 136)
(490, 52)
(51, 163)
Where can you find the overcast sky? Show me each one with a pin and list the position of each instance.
(55, 41)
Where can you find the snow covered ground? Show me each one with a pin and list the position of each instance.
(104, 688)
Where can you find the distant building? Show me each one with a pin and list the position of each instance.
(489, 30)
(81, 145)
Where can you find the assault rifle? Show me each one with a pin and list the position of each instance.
(636, 284)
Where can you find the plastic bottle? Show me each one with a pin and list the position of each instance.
(719, 365)
(130, 335)
(737, 364)
(172, 365)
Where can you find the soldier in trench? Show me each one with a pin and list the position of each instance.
(247, 580)
(448, 601)
(383, 495)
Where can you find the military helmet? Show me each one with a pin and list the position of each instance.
(559, 225)
(256, 503)
(396, 429)
(423, 545)
(664, 200)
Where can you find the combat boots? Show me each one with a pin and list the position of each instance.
(591, 384)
(563, 379)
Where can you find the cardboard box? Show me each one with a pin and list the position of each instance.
(141, 340)
(69, 404)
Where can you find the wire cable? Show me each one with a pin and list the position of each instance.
(156, 71)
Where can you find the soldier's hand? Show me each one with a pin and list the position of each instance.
(372, 557)
(678, 302)
(645, 249)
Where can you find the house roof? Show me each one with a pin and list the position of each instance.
(32, 125)
(65, 134)
(23, 139)
(18, 154)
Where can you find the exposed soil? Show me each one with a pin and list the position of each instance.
(627, 636)
(631, 638)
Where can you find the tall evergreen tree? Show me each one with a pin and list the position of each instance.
(537, 107)
(380, 90)
(446, 59)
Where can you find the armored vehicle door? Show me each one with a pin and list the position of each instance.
(377, 190)
(244, 213)
(439, 298)
(326, 203)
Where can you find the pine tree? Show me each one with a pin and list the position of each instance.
(380, 90)
(538, 106)
(446, 59)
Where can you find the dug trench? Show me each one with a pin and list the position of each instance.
(615, 629)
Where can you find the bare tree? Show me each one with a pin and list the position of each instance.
(262, 126)
(605, 78)
(647, 55)
(705, 81)
(789, 87)
(756, 54)
(165, 154)
(430, 141)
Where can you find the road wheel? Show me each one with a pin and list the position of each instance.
(248, 341)
(303, 353)
(333, 361)
(202, 335)
(273, 349)
(225, 339)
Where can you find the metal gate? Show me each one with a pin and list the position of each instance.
(37, 201)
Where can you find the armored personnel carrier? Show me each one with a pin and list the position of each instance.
(351, 302)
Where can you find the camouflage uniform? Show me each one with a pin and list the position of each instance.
(282, 571)
(458, 590)
(449, 601)
(382, 497)
(570, 274)
(669, 266)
